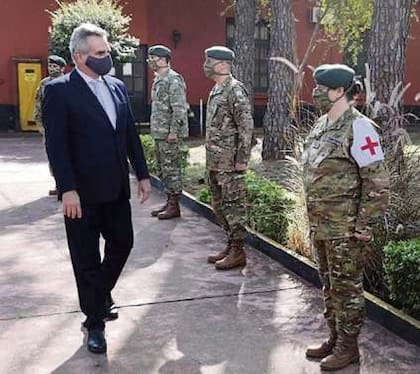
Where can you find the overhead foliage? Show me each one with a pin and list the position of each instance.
(344, 22)
(107, 14)
(347, 22)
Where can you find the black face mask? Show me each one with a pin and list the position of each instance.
(101, 66)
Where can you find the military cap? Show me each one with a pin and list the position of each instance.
(334, 75)
(160, 51)
(220, 53)
(54, 59)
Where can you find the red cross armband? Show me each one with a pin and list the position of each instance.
(366, 148)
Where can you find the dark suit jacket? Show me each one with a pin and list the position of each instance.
(85, 152)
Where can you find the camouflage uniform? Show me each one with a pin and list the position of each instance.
(346, 186)
(55, 66)
(169, 115)
(229, 127)
(38, 104)
(38, 110)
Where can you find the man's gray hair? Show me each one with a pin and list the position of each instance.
(78, 39)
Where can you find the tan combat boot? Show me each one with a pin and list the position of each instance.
(235, 258)
(213, 258)
(172, 210)
(156, 211)
(345, 352)
(325, 348)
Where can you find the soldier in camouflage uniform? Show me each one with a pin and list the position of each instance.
(168, 127)
(229, 128)
(56, 65)
(347, 188)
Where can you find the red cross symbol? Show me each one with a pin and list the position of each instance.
(370, 145)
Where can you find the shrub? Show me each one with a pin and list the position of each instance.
(195, 178)
(374, 270)
(298, 230)
(185, 158)
(205, 195)
(404, 209)
(402, 274)
(269, 207)
(149, 152)
(104, 13)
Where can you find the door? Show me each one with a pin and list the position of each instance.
(134, 75)
(29, 76)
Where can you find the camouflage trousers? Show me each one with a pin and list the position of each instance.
(229, 201)
(340, 263)
(169, 162)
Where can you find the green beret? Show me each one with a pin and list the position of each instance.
(334, 76)
(60, 61)
(160, 51)
(220, 53)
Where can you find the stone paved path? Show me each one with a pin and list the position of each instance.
(177, 314)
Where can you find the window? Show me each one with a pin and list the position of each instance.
(262, 49)
(134, 75)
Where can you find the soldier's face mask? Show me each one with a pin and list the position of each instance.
(153, 63)
(321, 99)
(209, 68)
(54, 70)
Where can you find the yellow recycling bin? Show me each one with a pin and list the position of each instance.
(29, 76)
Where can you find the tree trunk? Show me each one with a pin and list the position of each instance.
(245, 13)
(387, 58)
(279, 132)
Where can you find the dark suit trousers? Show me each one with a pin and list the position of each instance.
(95, 278)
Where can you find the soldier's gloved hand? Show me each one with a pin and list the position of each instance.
(172, 138)
(240, 167)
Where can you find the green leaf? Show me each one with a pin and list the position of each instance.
(104, 13)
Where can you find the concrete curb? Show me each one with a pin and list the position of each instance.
(377, 310)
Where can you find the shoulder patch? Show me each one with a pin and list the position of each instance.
(366, 148)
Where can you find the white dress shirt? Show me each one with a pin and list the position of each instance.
(103, 94)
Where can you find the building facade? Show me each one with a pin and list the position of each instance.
(186, 26)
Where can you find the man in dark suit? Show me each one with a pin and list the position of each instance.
(90, 134)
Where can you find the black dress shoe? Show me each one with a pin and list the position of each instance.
(111, 312)
(96, 342)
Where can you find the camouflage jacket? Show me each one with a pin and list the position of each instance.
(346, 181)
(169, 106)
(229, 126)
(38, 103)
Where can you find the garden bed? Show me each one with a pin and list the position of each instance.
(277, 214)
(377, 310)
